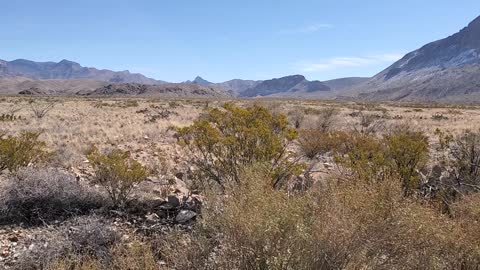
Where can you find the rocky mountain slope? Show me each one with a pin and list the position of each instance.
(199, 80)
(169, 89)
(344, 83)
(237, 86)
(285, 86)
(444, 70)
(14, 85)
(68, 70)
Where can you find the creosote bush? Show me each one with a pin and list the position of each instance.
(117, 172)
(409, 152)
(227, 140)
(398, 155)
(20, 151)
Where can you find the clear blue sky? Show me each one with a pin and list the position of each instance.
(176, 40)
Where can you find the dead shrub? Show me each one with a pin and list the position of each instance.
(41, 109)
(81, 242)
(131, 256)
(326, 118)
(296, 117)
(36, 196)
(369, 124)
(314, 142)
(465, 157)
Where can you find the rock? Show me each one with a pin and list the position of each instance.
(174, 201)
(185, 216)
(152, 217)
(13, 238)
(179, 175)
(437, 171)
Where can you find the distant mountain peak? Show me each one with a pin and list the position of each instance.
(66, 69)
(285, 85)
(65, 61)
(199, 80)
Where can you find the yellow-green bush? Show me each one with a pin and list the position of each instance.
(398, 155)
(409, 152)
(20, 151)
(117, 172)
(226, 140)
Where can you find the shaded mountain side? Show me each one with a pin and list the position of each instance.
(237, 86)
(459, 84)
(344, 83)
(68, 70)
(15, 85)
(285, 86)
(170, 89)
(447, 69)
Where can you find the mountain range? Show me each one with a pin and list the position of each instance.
(66, 69)
(444, 70)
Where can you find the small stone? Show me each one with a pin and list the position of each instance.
(13, 238)
(152, 217)
(185, 216)
(179, 175)
(174, 201)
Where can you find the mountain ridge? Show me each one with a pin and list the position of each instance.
(442, 70)
(66, 69)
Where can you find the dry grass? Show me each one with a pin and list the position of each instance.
(342, 223)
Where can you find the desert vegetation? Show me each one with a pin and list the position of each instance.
(239, 184)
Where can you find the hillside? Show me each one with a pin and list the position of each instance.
(444, 70)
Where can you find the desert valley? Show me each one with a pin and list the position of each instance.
(103, 169)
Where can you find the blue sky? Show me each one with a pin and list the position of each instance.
(176, 40)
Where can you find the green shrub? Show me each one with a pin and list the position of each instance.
(365, 157)
(20, 151)
(117, 172)
(409, 152)
(398, 155)
(225, 141)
